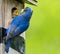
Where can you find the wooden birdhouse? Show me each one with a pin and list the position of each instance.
(6, 7)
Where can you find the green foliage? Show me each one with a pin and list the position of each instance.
(43, 36)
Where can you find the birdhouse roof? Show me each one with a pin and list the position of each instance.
(33, 2)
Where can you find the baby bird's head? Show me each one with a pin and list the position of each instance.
(15, 12)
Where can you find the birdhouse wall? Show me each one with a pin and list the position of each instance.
(5, 15)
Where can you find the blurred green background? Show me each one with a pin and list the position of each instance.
(43, 35)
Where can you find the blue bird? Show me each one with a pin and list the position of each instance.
(18, 25)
